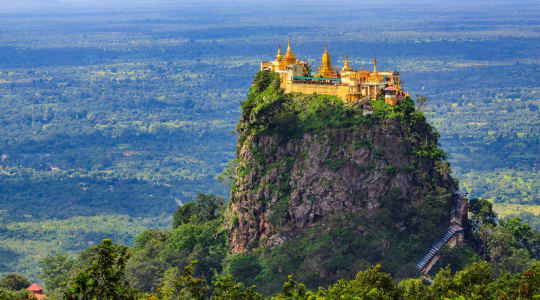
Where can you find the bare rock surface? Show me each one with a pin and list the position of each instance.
(284, 186)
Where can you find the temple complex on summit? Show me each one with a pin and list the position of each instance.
(347, 84)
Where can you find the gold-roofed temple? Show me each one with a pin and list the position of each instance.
(349, 85)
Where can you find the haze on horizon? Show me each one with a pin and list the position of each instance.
(70, 6)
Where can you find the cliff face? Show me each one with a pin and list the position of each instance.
(307, 161)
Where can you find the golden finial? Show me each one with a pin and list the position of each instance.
(346, 66)
(375, 65)
(279, 56)
(289, 55)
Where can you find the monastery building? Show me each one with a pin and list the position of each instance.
(349, 85)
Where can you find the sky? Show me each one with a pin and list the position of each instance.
(60, 6)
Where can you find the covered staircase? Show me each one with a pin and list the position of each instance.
(452, 236)
(443, 240)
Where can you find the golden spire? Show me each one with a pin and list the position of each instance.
(326, 69)
(279, 56)
(289, 56)
(289, 52)
(374, 76)
(326, 57)
(346, 66)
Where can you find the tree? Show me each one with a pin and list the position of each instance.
(482, 213)
(105, 277)
(229, 173)
(206, 207)
(421, 102)
(458, 257)
(525, 285)
(14, 282)
(413, 289)
(518, 262)
(293, 290)
(145, 268)
(500, 244)
(226, 288)
(198, 235)
(470, 281)
(484, 233)
(189, 287)
(368, 284)
(56, 272)
(14, 295)
(482, 220)
(524, 236)
(209, 207)
(206, 242)
(242, 267)
(86, 257)
(183, 214)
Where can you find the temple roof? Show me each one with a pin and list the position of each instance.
(35, 288)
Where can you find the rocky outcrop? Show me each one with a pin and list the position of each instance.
(289, 182)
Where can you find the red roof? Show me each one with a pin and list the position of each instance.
(37, 291)
(35, 288)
